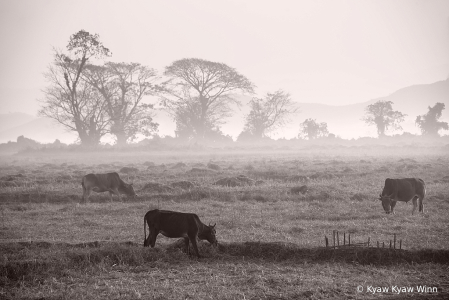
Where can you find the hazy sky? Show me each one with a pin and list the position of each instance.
(332, 52)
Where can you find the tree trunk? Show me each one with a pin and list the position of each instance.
(381, 130)
(203, 116)
(118, 130)
(121, 138)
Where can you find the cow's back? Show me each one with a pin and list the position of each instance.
(407, 188)
(172, 224)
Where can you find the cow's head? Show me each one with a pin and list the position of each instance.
(386, 202)
(128, 190)
(209, 234)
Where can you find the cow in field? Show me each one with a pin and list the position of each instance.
(404, 189)
(175, 225)
(109, 182)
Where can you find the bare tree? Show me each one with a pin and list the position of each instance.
(68, 99)
(311, 129)
(429, 123)
(382, 115)
(202, 87)
(123, 87)
(269, 114)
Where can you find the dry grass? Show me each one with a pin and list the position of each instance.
(270, 239)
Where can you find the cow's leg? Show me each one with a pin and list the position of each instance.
(186, 245)
(115, 191)
(414, 204)
(192, 239)
(150, 240)
(392, 205)
(86, 194)
(421, 205)
(152, 236)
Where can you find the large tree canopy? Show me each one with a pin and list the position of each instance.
(429, 123)
(382, 115)
(68, 99)
(82, 112)
(202, 87)
(123, 87)
(269, 114)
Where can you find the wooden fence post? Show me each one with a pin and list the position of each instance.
(394, 244)
(333, 237)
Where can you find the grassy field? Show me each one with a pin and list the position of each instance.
(270, 231)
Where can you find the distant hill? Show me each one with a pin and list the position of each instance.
(43, 130)
(11, 120)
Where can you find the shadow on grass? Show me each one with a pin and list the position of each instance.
(36, 261)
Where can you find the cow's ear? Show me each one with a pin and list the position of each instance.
(214, 225)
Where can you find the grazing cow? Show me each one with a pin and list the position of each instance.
(175, 225)
(404, 189)
(109, 182)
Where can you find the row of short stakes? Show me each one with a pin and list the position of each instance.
(336, 242)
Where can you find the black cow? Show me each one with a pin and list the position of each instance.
(404, 189)
(175, 225)
(109, 182)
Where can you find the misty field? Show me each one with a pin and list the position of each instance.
(270, 228)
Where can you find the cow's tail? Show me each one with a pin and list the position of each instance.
(421, 199)
(82, 184)
(144, 229)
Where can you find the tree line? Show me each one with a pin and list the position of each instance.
(94, 97)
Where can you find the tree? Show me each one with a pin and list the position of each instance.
(382, 115)
(429, 123)
(68, 99)
(269, 114)
(123, 87)
(189, 126)
(199, 91)
(311, 130)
